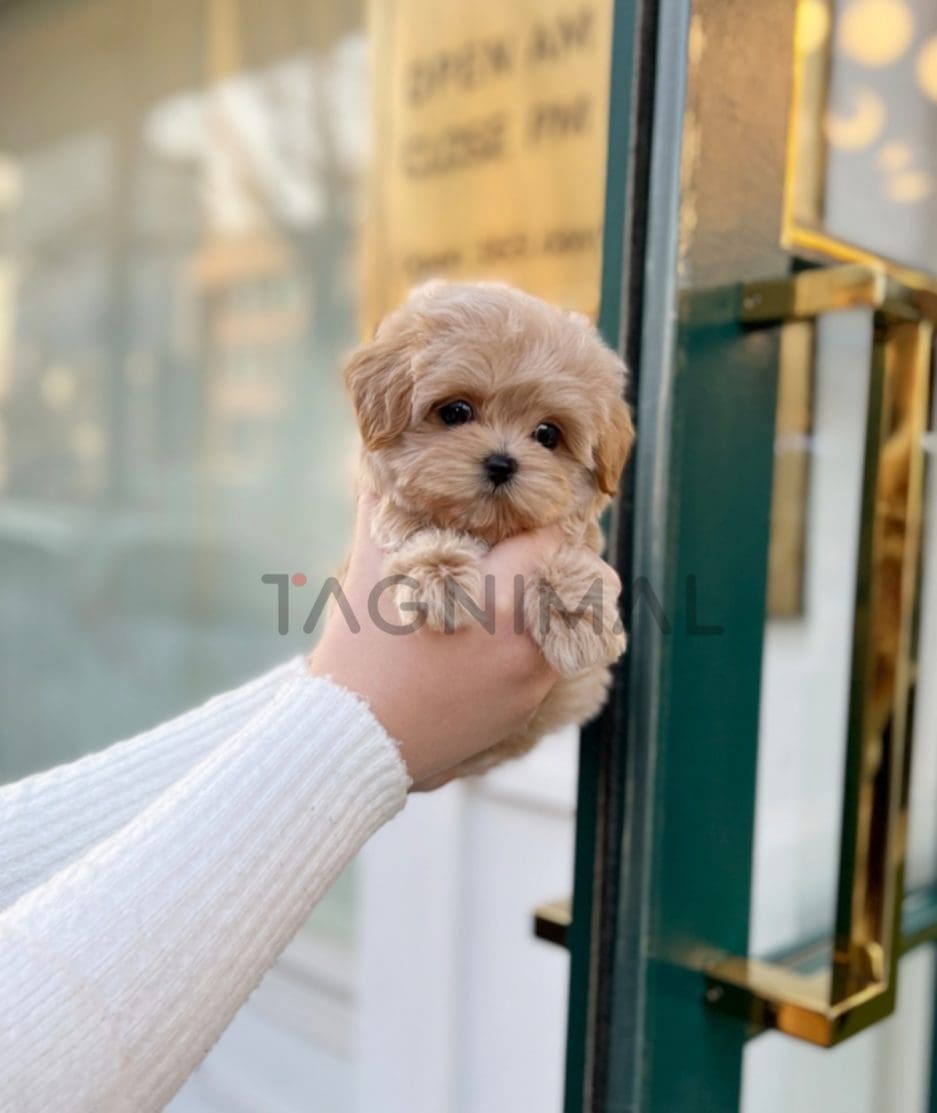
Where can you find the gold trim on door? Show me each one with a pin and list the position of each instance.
(825, 995)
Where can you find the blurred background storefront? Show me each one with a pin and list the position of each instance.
(184, 259)
(181, 200)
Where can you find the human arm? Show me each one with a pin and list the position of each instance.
(118, 975)
(54, 817)
(119, 972)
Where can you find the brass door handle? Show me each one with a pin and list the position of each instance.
(827, 991)
(826, 994)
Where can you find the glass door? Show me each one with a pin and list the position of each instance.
(177, 243)
(184, 261)
(754, 914)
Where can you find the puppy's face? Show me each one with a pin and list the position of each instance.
(486, 410)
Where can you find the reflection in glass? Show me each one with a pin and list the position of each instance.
(805, 671)
(178, 225)
(864, 130)
(884, 670)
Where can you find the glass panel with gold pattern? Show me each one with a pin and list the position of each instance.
(862, 175)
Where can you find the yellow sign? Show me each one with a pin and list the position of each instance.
(489, 152)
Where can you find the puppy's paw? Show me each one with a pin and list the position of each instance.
(571, 611)
(440, 578)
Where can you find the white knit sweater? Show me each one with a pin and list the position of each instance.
(146, 889)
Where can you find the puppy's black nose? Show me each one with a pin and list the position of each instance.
(500, 468)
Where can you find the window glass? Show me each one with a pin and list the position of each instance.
(178, 226)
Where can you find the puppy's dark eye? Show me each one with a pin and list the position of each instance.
(456, 413)
(547, 434)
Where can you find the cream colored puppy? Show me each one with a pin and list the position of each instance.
(485, 412)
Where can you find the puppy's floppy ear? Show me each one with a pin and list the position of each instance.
(616, 437)
(379, 378)
(581, 319)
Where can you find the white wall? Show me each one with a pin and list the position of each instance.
(461, 1008)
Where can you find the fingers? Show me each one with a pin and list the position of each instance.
(367, 558)
(612, 576)
(527, 553)
(363, 514)
(430, 784)
(523, 554)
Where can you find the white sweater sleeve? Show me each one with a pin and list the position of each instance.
(52, 818)
(119, 973)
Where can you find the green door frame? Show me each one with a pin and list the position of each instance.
(651, 1045)
(602, 775)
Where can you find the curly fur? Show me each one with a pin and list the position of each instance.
(518, 362)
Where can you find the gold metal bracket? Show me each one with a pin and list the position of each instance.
(826, 995)
(552, 921)
(811, 293)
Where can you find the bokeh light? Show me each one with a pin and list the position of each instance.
(876, 32)
(927, 68)
(909, 186)
(894, 156)
(862, 127)
(813, 25)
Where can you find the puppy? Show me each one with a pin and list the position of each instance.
(485, 412)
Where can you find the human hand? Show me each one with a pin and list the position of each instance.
(444, 697)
